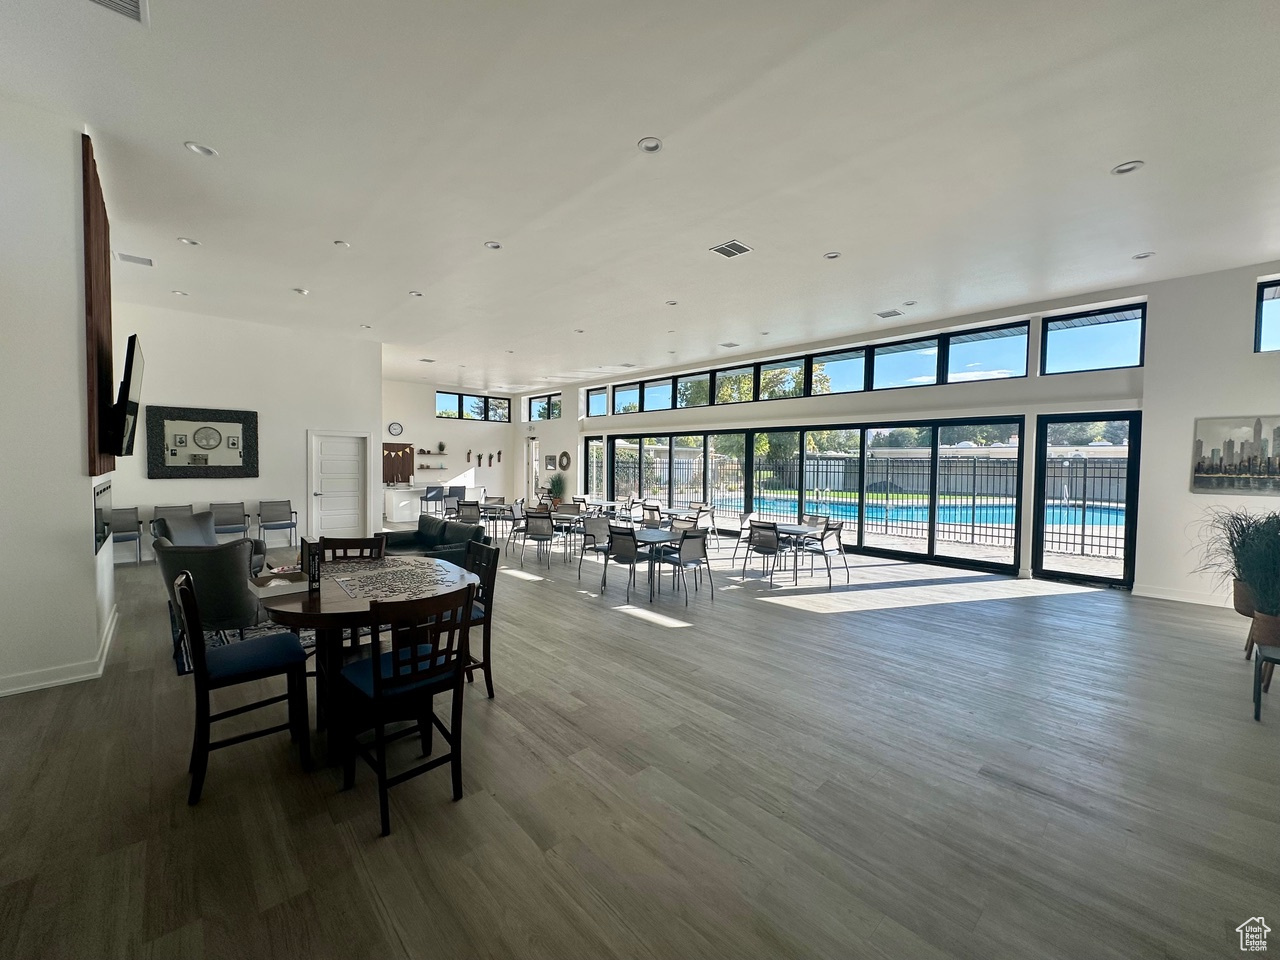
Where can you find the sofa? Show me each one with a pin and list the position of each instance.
(197, 530)
(442, 539)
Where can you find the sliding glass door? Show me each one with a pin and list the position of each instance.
(593, 476)
(688, 470)
(979, 483)
(727, 477)
(1086, 508)
(897, 508)
(776, 475)
(833, 478)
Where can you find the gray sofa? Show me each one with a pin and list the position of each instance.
(442, 539)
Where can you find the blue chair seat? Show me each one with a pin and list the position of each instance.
(259, 655)
(231, 528)
(360, 675)
(279, 525)
(123, 537)
(477, 611)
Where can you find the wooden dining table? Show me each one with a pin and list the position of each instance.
(346, 589)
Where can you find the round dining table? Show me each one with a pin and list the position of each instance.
(346, 589)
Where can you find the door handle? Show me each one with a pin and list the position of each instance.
(315, 494)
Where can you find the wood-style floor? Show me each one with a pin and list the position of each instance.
(929, 763)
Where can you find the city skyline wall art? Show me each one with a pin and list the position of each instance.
(1239, 455)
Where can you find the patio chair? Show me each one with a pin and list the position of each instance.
(277, 515)
(596, 530)
(691, 553)
(827, 546)
(763, 540)
(542, 531)
(624, 549)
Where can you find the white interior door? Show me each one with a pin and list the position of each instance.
(338, 472)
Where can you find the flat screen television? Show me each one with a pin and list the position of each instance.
(124, 415)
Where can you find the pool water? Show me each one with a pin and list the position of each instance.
(991, 514)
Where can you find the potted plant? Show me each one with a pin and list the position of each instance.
(555, 487)
(1224, 533)
(1260, 569)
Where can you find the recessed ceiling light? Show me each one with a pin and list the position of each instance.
(670, 331)
(672, 303)
(365, 326)
(1146, 255)
(189, 242)
(670, 351)
(1129, 166)
(909, 303)
(730, 343)
(415, 293)
(200, 148)
(493, 244)
(649, 145)
(832, 255)
(301, 291)
(341, 243)
(180, 293)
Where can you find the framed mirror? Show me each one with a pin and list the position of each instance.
(195, 442)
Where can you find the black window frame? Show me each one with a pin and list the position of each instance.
(671, 385)
(751, 369)
(473, 396)
(803, 362)
(598, 392)
(945, 364)
(1140, 306)
(711, 399)
(815, 358)
(1263, 287)
(940, 346)
(639, 398)
(547, 397)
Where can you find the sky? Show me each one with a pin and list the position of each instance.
(1271, 324)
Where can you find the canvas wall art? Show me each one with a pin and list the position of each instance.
(1237, 455)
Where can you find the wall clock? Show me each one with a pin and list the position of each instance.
(207, 438)
(564, 459)
(395, 429)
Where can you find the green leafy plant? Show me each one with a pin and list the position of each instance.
(1259, 564)
(1224, 533)
(555, 486)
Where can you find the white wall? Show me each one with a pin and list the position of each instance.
(296, 382)
(413, 406)
(1199, 363)
(57, 597)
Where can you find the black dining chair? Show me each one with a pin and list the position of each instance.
(690, 554)
(624, 549)
(595, 537)
(482, 560)
(516, 516)
(430, 648)
(214, 668)
(764, 542)
(539, 528)
(469, 511)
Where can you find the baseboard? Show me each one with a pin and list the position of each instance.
(1183, 596)
(67, 673)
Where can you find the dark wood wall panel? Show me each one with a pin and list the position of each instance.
(97, 313)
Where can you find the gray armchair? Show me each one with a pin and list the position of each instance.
(221, 577)
(198, 530)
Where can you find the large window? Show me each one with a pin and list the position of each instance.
(978, 491)
(736, 385)
(833, 479)
(657, 395)
(782, 378)
(1267, 336)
(626, 398)
(545, 408)
(598, 402)
(693, 390)
(466, 406)
(776, 477)
(987, 354)
(910, 364)
(593, 469)
(687, 470)
(1097, 340)
(843, 372)
(899, 477)
(727, 477)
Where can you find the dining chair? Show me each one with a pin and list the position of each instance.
(827, 546)
(165, 512)
(763, 540)
(127, 528)
(516, 516)
(482, 560)
(651, 514)
(450, 507)
(705, 519)
(690, 553)
(596, 530)
(469, 511)
(230, 518)
(277, 515)
(429, 651)
(214, 668)
(624, 549)
(744, 533)
(539, 528)
(353, 548)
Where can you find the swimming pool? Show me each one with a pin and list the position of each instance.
(987, 514)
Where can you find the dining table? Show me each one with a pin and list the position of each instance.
(347, 587)
(493, 513)
(654, 538)
(798, 532)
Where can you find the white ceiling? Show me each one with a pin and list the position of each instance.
(955, 154)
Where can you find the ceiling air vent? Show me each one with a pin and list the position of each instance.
(731, 249)
(730, 343)
(890, 314)
(133, 9)
(628, 366)
(130, 258)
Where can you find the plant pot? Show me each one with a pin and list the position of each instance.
(1242, 598)
(1266, 630)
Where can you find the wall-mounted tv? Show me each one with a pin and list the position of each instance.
(124, 415)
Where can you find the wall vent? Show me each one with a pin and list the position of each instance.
(732, 248)
(133, 9)
(130, 258)
(890, 314)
